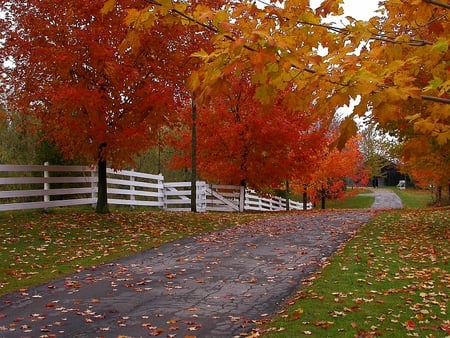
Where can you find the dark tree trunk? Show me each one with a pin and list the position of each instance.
(287, 195)
(305, 197)
(323, 197)
(439, 195)
(102, 192)
(194, 159)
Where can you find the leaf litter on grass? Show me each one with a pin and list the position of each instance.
(391, 280)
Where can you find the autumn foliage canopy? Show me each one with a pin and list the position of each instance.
(101, 77)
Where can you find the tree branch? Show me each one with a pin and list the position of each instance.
(435, 99)
(437, 3)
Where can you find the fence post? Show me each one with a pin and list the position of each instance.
(46, 184)
(241, 198)
(93, 186)
(132, 197)
(161, 193)
(201, 196)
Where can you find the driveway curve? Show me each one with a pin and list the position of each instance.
(215, 285)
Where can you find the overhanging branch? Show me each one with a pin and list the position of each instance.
(437, 3)
(435, 99)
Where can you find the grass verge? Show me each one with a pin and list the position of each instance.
(36, 247)
(390, 280)
(352, 200)
(414, 198)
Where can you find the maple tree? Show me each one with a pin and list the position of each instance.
(72, 72)
(392, 63)
(332, 168)
(242, 142)
(427, 163)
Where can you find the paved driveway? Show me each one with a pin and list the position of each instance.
(385, 199)
(216, 285)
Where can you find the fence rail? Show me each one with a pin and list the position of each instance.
(48, 186)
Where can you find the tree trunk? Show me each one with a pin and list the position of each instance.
(194, 159)
(305, 197)
(102, 192)
(288, 193)
(323, 197)
(439, 195)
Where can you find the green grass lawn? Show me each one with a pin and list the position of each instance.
(414, 198)
(353, 199)
(351, 202)
(36, 247)
(390, 280)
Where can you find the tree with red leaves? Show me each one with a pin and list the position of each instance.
(72, 70)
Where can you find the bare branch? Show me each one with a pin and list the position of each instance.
(437, 3)
(435, 99)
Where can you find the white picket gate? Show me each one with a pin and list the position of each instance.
(47, 186)
(127, 187)
(227, 198)
(177, 196)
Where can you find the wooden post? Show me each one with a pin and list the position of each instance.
(201, 196)
(132, 197)
(46, 184)
(241, 198)
(93, 186)
(161, 193)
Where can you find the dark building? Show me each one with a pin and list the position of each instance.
(390, 176)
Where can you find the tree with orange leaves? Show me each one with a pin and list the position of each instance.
(333, 168)
(240, 141)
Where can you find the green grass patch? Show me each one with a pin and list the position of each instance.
(352, 200)
(390, 280)
(415, 198)
(36, 247)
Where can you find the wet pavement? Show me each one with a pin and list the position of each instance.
(216, 285)
(385, 199)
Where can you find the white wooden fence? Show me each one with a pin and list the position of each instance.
(47, 186)
(273, 203)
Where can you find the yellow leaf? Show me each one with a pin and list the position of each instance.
(108, 7)
(441, 45)
(348, 129)
(444, 137)
(193, 82)
(202, 54)
(132, 16)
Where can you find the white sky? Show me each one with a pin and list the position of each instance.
(358, 9)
